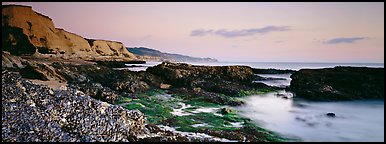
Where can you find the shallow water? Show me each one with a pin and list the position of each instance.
(284, 80)
(289, 65)
(195, 135)
(265, 65)
(180, 111)
(355, 120)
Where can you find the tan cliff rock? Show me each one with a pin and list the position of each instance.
(26, 32)
(109, 48)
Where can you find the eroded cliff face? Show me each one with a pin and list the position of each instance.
(26, 32)
(109, 48)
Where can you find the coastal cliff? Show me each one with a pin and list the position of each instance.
(55, 88)
(26, 32)
(149, 54)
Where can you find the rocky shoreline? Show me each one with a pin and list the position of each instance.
(59, 86)
(89, 93)
(37, 113)
(181, 98)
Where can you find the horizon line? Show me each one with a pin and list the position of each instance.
(306, 62)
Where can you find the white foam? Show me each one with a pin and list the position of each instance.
(195, 135)
(200, 125)
(180, 111)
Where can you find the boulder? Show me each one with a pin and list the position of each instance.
(330, 114)
(11, 61)
(339, 83)
(112, 64)
(186, 75)
(32, 72)
(131, 86)
(165, 86)
(116, 80)
(203, 95)
(226, 111)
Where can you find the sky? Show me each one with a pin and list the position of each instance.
(241, 32)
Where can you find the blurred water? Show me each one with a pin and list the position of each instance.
(355, 120)
(265, 65)
(282, 80)
(290, 65)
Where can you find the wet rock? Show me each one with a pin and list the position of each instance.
(97, 91)
(11, 61)
(119, 64)
(212, 80)
(226, 111)
(230, 89)
(63, 117)
(180, 74)
(285, 95)
(165, 86)
(339, 83)
(131, 86)
(153, 128)
(118, 80)
(207, 96)
(112, 64)
(330, 114)
(31, 72)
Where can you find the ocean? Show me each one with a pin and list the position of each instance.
(291, 65)
(265, 65)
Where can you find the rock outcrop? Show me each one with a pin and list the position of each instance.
(11, 61)
(228, 80)
(180, 74)
(26, 32)
(339, 83)
(36, 113)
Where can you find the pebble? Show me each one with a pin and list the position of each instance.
(330, 114)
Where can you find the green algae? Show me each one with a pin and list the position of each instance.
(243, 93)
(159, 112)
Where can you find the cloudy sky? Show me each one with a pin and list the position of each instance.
(255, 32)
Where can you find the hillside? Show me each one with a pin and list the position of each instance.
(148, 54)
